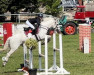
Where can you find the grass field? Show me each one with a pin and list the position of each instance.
(76, 62)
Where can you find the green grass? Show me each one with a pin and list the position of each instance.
(75, 61)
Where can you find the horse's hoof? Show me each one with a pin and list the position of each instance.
(4, 63)
(4, 59)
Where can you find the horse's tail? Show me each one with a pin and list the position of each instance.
(6, 45)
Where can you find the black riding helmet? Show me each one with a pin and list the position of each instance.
(40, 15)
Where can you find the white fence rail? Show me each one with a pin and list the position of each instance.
(18, 17)
(22, 16)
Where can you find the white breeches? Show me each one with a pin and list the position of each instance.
(29, 24)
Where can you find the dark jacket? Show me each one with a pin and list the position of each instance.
(34, 20)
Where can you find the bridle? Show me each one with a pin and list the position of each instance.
(43, 27)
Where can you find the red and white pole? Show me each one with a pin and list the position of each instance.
(7, 31)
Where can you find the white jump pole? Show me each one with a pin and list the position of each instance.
(39, 47)
(46, 58)
(30, 59)
(61, 53)
(40, 56)
(46, 55)
(61, 70)
(54, 67)
(25, 55)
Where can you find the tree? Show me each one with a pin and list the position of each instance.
(3, 9)
(14, 6)
(52, 6)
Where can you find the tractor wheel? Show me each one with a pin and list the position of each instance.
(70, 28)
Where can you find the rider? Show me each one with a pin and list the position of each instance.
(34, 23)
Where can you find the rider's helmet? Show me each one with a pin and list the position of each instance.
(40, 15)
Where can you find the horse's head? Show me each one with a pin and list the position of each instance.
(47, 24)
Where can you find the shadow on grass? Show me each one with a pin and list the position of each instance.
(10, 73)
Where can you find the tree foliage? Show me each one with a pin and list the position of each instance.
(15, 6)
(52, 6)
(3, 6)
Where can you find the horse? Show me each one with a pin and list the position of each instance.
(20, 37)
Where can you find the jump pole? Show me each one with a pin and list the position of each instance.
(46, 55)
(46, 59)
(39, 47)
(30, 58)
(25, 54)
(61, 69)
(40, 56)
(54, 67)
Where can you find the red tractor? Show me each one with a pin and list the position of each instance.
(84, 12)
